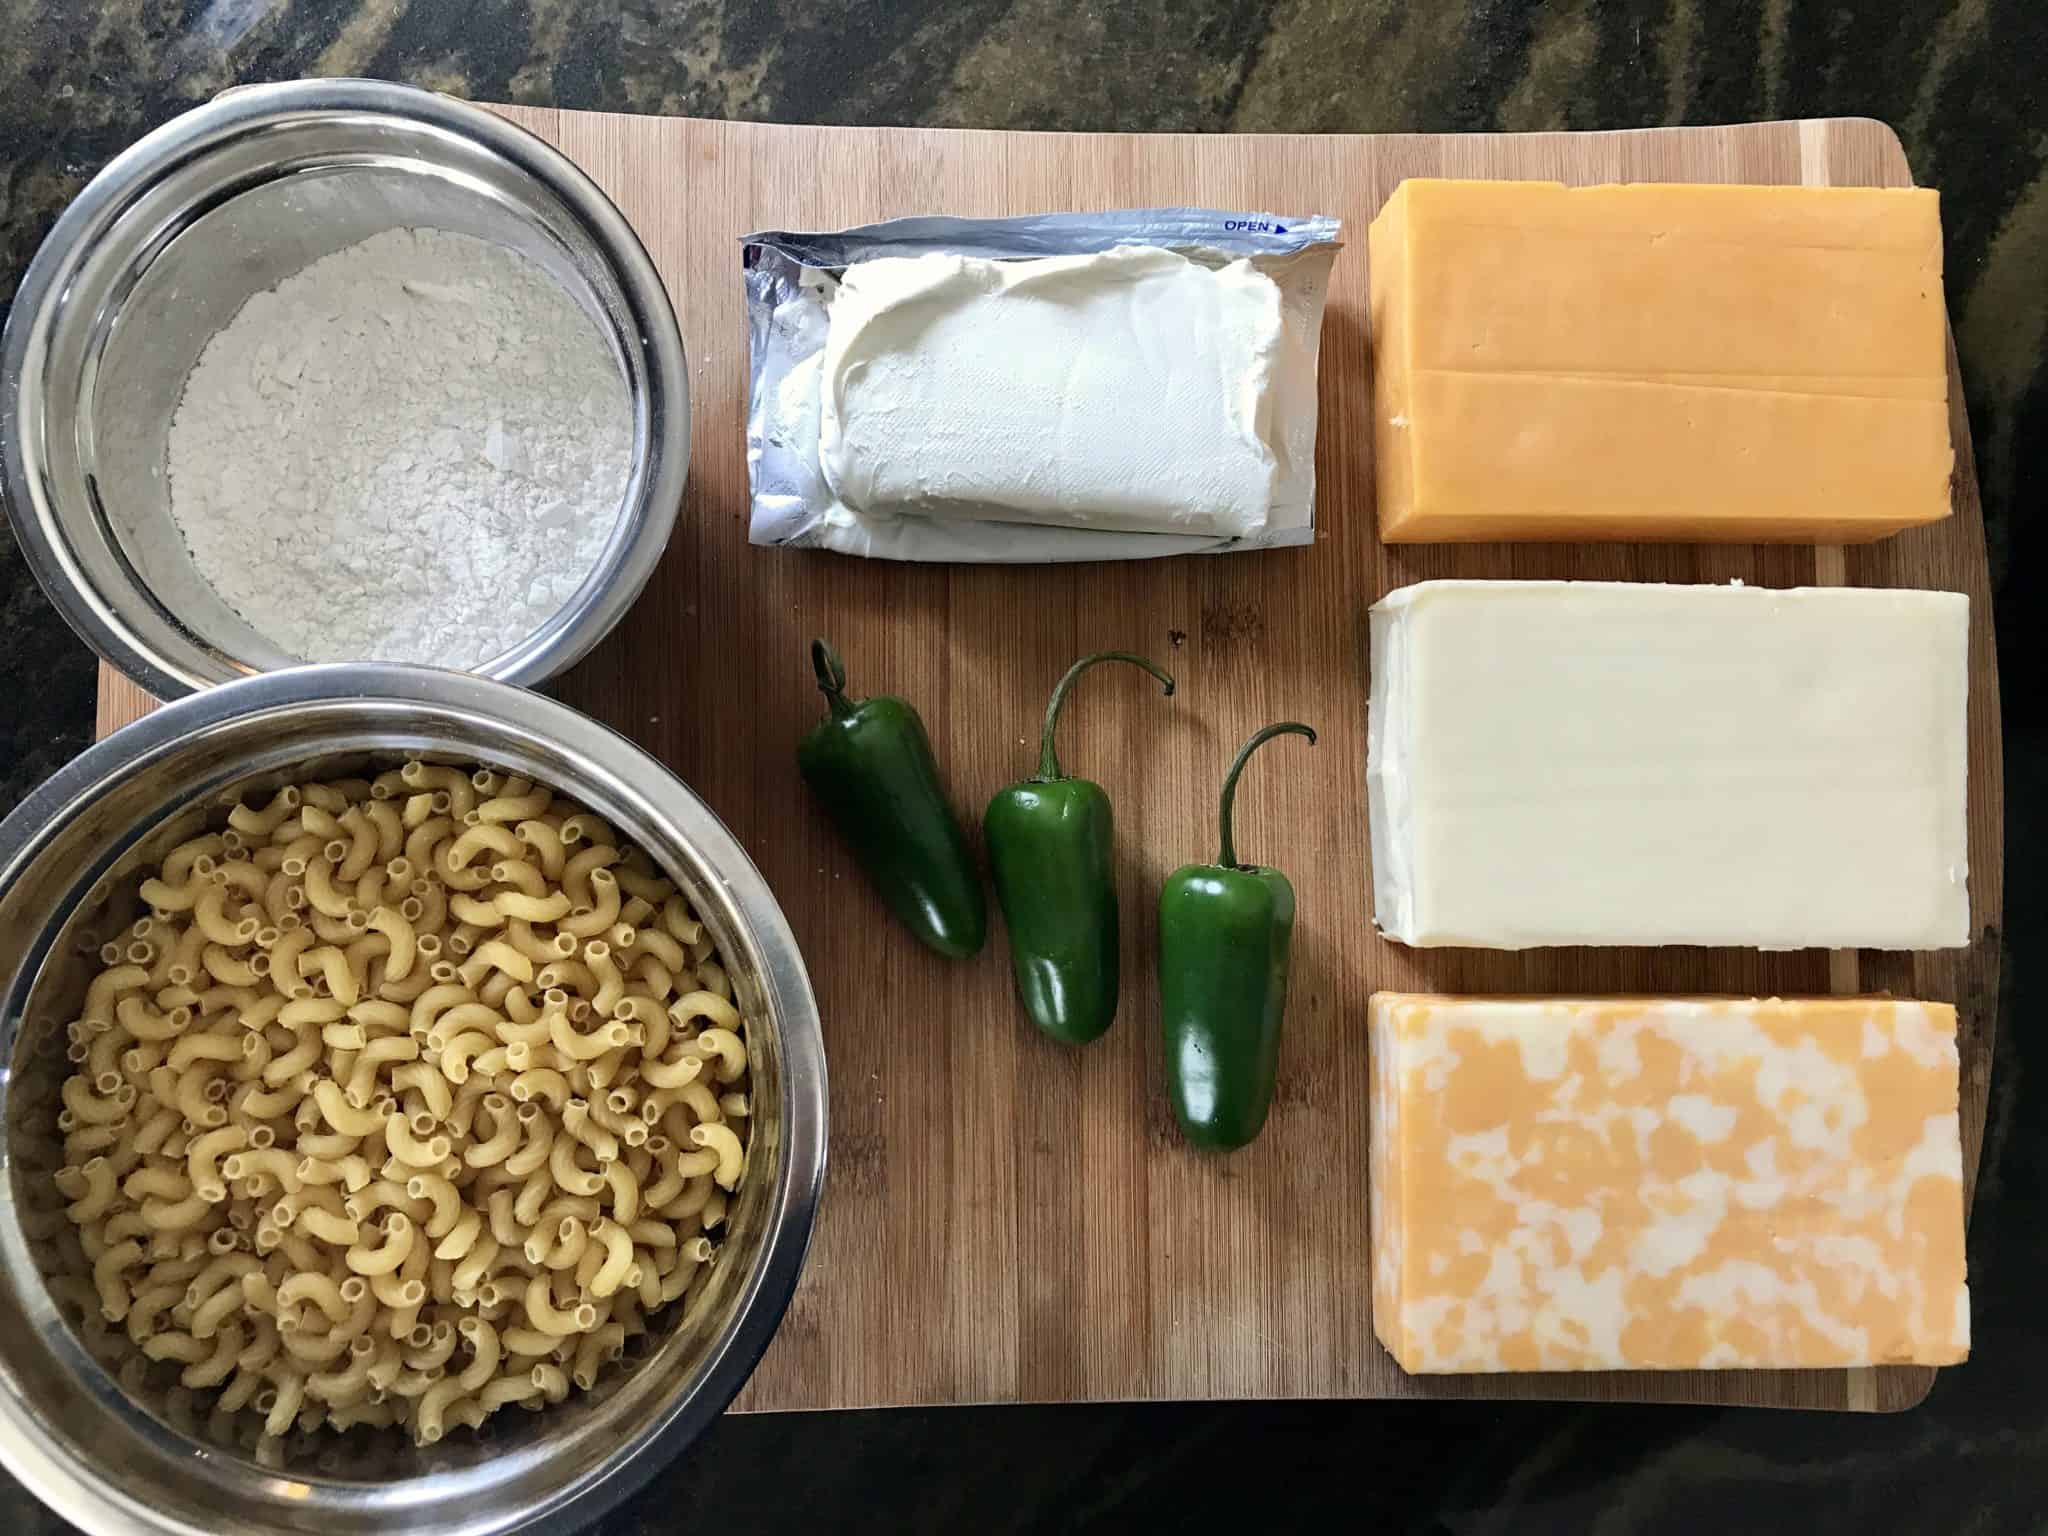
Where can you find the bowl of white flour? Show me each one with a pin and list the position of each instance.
(342, 371)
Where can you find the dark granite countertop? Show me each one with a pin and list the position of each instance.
(1963, 81)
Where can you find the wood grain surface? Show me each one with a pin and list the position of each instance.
(1011, 1220)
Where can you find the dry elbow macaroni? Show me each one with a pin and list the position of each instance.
(408, 1100)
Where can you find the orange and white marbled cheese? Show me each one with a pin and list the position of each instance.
(1665, 1183)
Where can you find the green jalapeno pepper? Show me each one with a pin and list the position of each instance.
(1049, 847)
(870, 764)
(1224, 930)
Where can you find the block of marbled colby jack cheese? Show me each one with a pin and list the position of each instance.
(1665, 1183)
(1658, 362)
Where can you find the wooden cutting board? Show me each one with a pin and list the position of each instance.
(1010, 1220)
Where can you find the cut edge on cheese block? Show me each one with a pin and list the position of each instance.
(1658, 363)
(1560, 763)
(1665, 1183)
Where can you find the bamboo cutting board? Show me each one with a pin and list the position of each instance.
(1011, 1220)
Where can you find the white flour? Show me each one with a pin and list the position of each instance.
(413, 450)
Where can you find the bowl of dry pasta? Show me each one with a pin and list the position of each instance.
(415, 1114)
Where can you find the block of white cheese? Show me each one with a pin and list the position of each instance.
(1610, 763)
(1660, 1183)
(1129, 389)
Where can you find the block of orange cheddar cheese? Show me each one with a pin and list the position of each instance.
(1665, 1183)
(1702, 363)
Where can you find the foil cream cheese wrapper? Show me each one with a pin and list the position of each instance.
(789, 280)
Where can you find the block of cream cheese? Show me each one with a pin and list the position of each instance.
(1101, 385)
(1661, 1183)
(1658, 362)
(1125, 389)
(1610, 763)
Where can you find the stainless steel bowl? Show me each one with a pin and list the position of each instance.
(165, 244)
(125, 1458)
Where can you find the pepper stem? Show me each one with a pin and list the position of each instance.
(1228, 857)
(831, 678)
(1048, 758)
